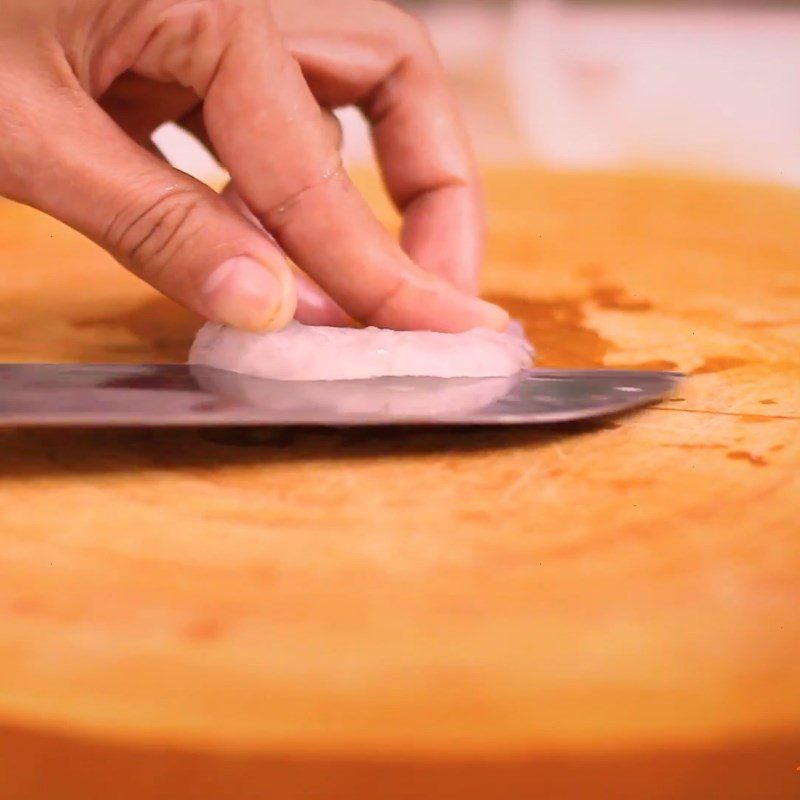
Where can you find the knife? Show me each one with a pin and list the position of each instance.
(94, 395)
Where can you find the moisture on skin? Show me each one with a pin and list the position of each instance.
(317, 353)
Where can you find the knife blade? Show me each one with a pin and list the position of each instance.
(156, 395)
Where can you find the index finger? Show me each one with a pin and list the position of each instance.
(269, 132)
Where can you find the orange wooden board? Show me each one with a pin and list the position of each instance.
(426, 614)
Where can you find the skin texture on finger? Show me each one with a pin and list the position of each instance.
(296, 187)
(231, 55)
(139, 105)
(194, 123)
(443, 223)
(427, 165)
(382, 60)
(169, 229)
(314, 305)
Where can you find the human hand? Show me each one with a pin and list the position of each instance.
(87, 82)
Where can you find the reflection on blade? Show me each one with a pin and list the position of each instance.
(92, 395)
(384, 398)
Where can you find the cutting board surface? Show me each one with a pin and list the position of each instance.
(418, 613)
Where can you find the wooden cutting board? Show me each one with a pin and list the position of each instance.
(608, 610)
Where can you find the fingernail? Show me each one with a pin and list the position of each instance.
(315, 307)
(244, 293)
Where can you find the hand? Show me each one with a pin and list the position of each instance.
(86, 82)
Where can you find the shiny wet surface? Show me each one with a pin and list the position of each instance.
(178, 395)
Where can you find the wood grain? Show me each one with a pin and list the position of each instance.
(602, 610)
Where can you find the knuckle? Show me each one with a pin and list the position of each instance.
(147, 236)
(188, 38)
(202, 14)
(375, 314)
(413, 35)
(283, 210)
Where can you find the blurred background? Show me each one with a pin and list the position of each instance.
(701, 87)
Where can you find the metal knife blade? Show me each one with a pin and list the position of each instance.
(94, 395)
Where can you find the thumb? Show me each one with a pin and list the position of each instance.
(166, 227)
